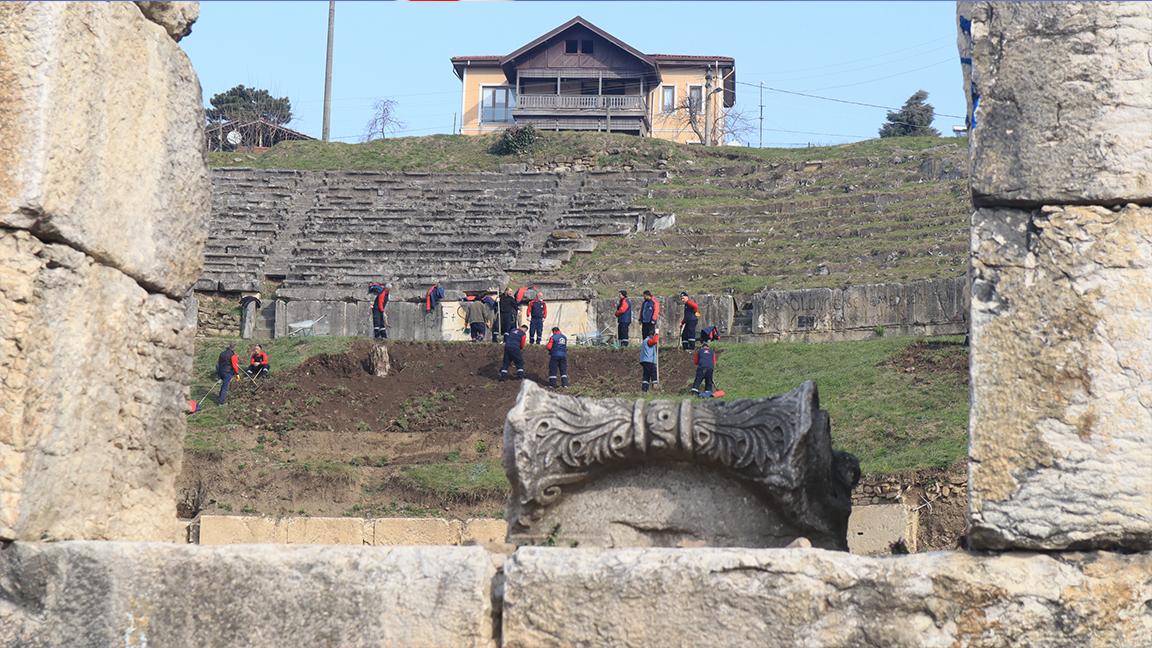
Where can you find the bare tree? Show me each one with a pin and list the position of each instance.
(383, 121)
(731, 124)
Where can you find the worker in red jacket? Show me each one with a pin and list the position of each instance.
(227, 368)
(649, 314)
(514, 343)
(557, 358)
(379, 294)
(432, 298)
(689, 322)
(705, 361)
(257, 362)
(537, 311)
(623, 318)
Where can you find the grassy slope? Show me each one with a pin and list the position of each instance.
(893, 419)
(746, 218)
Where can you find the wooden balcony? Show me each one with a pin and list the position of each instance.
(539, 103)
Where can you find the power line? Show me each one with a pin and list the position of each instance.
(843, 101)
(849, 70)
(873, 56)
(925, 67)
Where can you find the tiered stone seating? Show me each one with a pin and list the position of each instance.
(341, 230)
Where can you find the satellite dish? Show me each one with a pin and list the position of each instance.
(234, 138)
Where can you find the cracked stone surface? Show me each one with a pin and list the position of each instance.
(1065, 102)
(101, 138)
(257, 596)
(1061, 373)
(93, 370)
(813, 598)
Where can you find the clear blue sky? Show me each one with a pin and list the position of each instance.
(860, 51)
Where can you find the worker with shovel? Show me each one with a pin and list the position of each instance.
(227, 368)
(514, 344)
(705, 360)
(649, 355)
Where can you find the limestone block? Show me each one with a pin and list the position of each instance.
(1061, 373)
(241, 529)
(257, 596)
(175, 17)
(1064, 102)
(92, 371)
(873, 529)
(101, 138)
(615, 472)
(484, 531)
(813, 598)
(326, 530)
(416, 531)
(776, 312)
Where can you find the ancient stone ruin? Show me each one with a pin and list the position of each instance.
(95, 355)
(617, 473)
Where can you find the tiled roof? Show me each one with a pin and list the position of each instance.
(687, 57)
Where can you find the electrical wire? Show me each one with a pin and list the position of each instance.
(843, 101)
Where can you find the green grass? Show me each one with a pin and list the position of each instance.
(890, 419)
(463, 482)
(468, 153)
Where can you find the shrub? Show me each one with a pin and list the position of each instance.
(516, 140)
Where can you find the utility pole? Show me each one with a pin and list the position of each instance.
(328, 71)
(708, 107)
(761, 114)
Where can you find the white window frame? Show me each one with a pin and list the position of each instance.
(510, 96)
(668, 109)
(700, 107)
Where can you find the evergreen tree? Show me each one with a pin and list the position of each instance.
(247, 104)
(914, 119)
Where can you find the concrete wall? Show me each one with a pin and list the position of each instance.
(929, 307)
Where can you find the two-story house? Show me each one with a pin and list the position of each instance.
(580, 77)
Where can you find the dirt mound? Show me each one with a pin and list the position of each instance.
(935, 359)
(329, 438)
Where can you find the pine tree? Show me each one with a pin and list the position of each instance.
(247, 104)
(914, 119)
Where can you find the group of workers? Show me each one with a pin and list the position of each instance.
(228, 367)
(501, 315)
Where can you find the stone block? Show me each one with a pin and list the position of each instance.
(137, 594)
(873, 529)
(616, 472)
(1061, 373)
(416, 531)
(326, 530)
(101, 139)
(175, 17)
(1063, 102)
(808, 597)
(484, 531)
(241, 529)
(91, 426)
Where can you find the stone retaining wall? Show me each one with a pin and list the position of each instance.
(929, 307)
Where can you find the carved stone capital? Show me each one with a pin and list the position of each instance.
(779, 448)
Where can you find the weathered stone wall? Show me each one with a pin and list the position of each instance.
(929, 307)
(806, 597)
(240, 529)
(1061, 419)
(141, 594)
(100, 238)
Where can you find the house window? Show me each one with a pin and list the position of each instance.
(570, 47)
(696, 97)
(668, 99)
(586, 47)
(496, 104)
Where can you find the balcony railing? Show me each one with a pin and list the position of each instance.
(581, 102)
